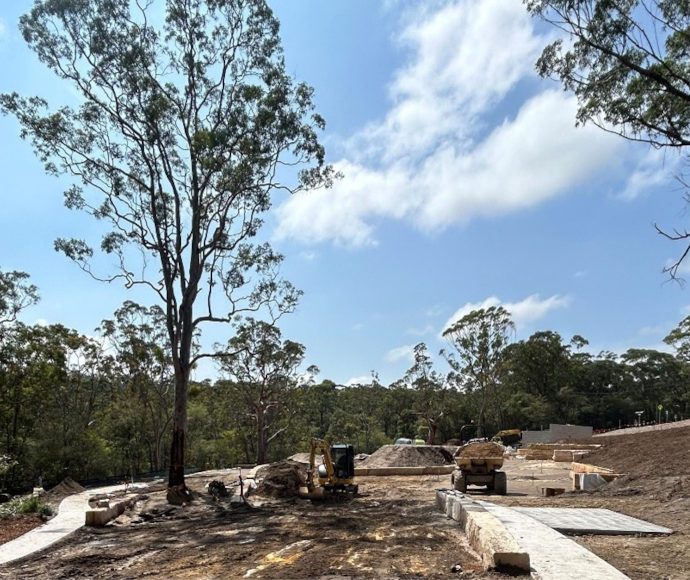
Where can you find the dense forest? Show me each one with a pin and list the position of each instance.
(89, 408)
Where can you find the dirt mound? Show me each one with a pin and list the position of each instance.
(282, 479)
(659, 453)
(66, 487)
(485, 449)
(408, 456)
(656, 463)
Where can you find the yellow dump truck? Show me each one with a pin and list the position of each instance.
(479, 464)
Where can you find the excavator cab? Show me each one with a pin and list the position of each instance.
(343, 457)
(336, 475)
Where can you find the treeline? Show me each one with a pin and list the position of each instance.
(84, 407)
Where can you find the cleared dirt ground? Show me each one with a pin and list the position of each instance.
(392, 530)
(655, 489)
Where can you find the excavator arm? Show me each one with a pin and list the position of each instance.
(325, 450)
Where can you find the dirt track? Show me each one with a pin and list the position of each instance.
(392, 530)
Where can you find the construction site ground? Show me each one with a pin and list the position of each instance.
(391, 530)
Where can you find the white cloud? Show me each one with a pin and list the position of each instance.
(655, 168)
(467, 56)
(361, 380)
(529, 310)
(432, 160)
(309, 256)
(405, 352)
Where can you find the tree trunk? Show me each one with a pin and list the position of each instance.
(431, 433)
(178, 493)
(261, 438)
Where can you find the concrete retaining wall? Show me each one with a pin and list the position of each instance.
(102, 515)
(555, 433)
(428, 470)
(497, 548)
(529, 437)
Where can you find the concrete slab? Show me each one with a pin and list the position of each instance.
(553, 556)
(591, 521)
(70, 518)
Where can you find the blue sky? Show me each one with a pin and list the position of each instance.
(466, 184)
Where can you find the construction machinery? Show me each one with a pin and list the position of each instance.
(479, 464)
(336, 473)
(508, 437)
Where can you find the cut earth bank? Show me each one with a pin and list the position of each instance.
(391, 530)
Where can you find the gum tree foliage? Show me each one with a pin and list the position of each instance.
(262, 369)
(16, 294)
(142, 360)
(187, 123)
(428, 385)
(479, 340)
(628, 63)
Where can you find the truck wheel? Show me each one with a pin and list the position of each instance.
(459, 483)
(500, 483)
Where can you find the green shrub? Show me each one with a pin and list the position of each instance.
(33, 505)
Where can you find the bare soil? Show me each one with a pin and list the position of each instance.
(13, 527)
(391, 530)
(656, 488)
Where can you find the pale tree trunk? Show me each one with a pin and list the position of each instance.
(261, 438)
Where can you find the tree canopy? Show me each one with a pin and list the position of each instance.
(628, 64)
(186, 124)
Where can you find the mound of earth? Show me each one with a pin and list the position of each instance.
(409, 456)
(66, 487)
(282, 479)
(654, 452)
(655, 463)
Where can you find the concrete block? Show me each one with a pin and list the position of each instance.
(102, 515)
(441, 499)
(458, 513)
(591, 481)
(486, 534)
(451, 502)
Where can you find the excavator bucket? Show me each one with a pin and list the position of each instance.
(316, 493)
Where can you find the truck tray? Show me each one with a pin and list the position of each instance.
(479, 464)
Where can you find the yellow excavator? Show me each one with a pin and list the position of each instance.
(508, 437)
(336, 474)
